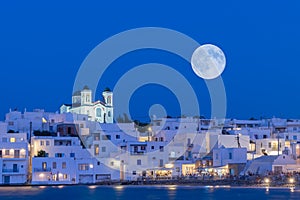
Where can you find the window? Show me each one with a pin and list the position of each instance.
(230, 155)
(16, 153)
(47, 143)
(103, 149)
(161, 148)
(12, 139)
(0, 153)
(65, 176)
(83, 167)
(264, 136)
(139, 162)
(161, 163)
(98, 112)
(96, 149)
(59, 155)
(112, 163)
(143, 147)
(64, 165)
(256, 136)
(72, 155)
(152, 147)
(98, 163)
(294, 137)
(109, 100)
(42, 143)
(270, 145)
(106, 137)
(118, 137)
(4, 139)
(54, 165)
(7, 152)
(161, 139)
(109, 114)
(44, 165)
(217, 156)
(11, 123)
(133, 172)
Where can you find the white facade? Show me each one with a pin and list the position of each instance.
(66, 162)
(13, 158)
(269, 146)
(96, 111)
(224, 156)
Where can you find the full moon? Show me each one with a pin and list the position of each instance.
(208, 61)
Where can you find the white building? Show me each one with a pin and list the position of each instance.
(96, 111)
(224, 156)
(13, 158)
(269, 146)
(63, 160)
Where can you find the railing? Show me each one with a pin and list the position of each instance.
(42, 169)
(11, 156)
(10, 170)
(137, 152)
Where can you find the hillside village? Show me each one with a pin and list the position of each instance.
(83, 145)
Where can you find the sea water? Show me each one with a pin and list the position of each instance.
(146, 192)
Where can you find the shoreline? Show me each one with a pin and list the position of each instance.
(169, 183)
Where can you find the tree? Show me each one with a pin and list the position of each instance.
(41, 153)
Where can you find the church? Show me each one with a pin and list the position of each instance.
(99, 111)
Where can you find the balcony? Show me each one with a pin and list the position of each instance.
(137, 153)
(42, 169)
(10, 170)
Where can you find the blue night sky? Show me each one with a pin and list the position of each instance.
(43, 43)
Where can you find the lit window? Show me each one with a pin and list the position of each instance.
(96, 150)
(12, 139)
(65, 176)
(44, 165)
(83, 167)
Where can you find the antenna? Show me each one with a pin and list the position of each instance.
(238, 140)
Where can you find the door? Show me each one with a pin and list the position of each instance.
(6, 179)
(15, 167)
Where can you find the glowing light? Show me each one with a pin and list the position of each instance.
(267, 180)
(61, 186)
(172, 187)
(42, 175)
(291, 180)
(44, 120)
(169, 166)
(92, 187)
(91, 166)
(119, 187)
